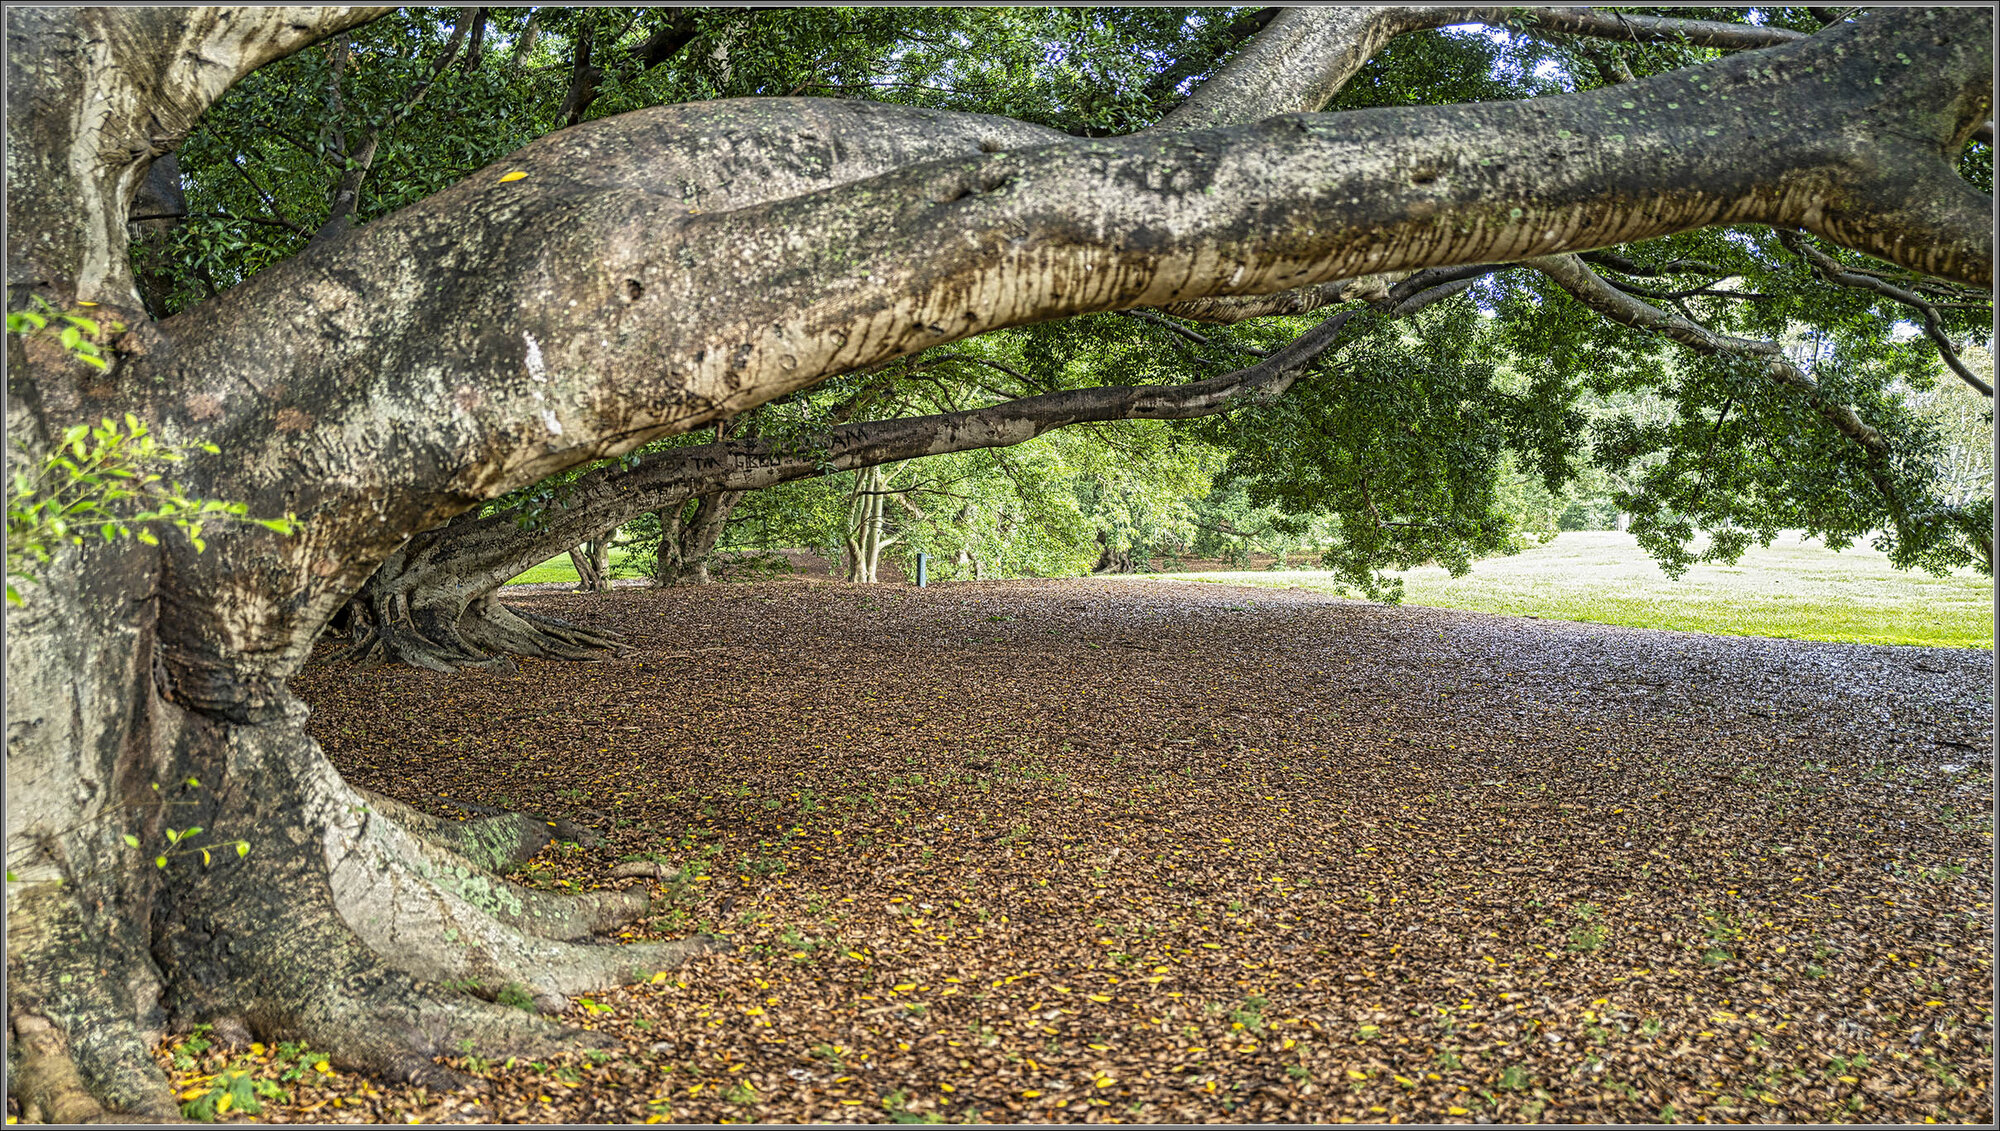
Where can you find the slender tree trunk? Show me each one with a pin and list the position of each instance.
(475, 51)
(868, 531)
(667, 559)
(592, 560)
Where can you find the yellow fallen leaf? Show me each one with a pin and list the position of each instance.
(1107, 997)
(1456, 1111)
(1030, 1094)
(513, 176)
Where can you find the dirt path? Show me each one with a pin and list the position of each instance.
(1032, 851)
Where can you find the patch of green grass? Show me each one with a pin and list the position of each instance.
(559, 569)
(1791, 589)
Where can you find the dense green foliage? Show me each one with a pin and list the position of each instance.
(1474, 427)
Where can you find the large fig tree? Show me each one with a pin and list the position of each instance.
(646, 274)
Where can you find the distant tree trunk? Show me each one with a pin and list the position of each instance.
(475, 52)
(593, 564)
(1110, 560)
(526, 48)
(687, 545)
(158, 210)
(867, 525)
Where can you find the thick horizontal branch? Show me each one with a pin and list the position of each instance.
(1229, 309)
(657, 270)
(1596, 23)
(459, 562)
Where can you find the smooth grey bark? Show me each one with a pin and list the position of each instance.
(148, 74)
(868, 533)
(651, 273)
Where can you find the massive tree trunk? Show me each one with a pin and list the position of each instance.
(366, 387)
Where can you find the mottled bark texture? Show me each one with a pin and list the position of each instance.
(649, 273)
(688, 540)
(592, 562)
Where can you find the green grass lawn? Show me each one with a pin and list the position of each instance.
(1791, 589)
(559, 569)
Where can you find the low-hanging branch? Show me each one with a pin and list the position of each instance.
(1591, 289)
(1833, 271)
(432, 604)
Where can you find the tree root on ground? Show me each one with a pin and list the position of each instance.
(501, 628)
(42, 1075)
(82, 1006)
(462, 866)
(499, 842)
(394, 934)
(483, 635)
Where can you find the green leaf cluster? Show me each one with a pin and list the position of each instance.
(105, 482)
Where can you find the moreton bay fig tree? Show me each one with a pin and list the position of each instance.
(649, 273)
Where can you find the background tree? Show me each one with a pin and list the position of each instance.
(650, 273)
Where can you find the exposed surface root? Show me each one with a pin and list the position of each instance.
(562, 828)
(484, 635)
(384, 642)
(465, 863)
(43, 1077)
(393, 935)
(502, 628)
(78, 1049)
(499, 842)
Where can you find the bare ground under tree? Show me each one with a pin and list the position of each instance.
(1152, 852)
